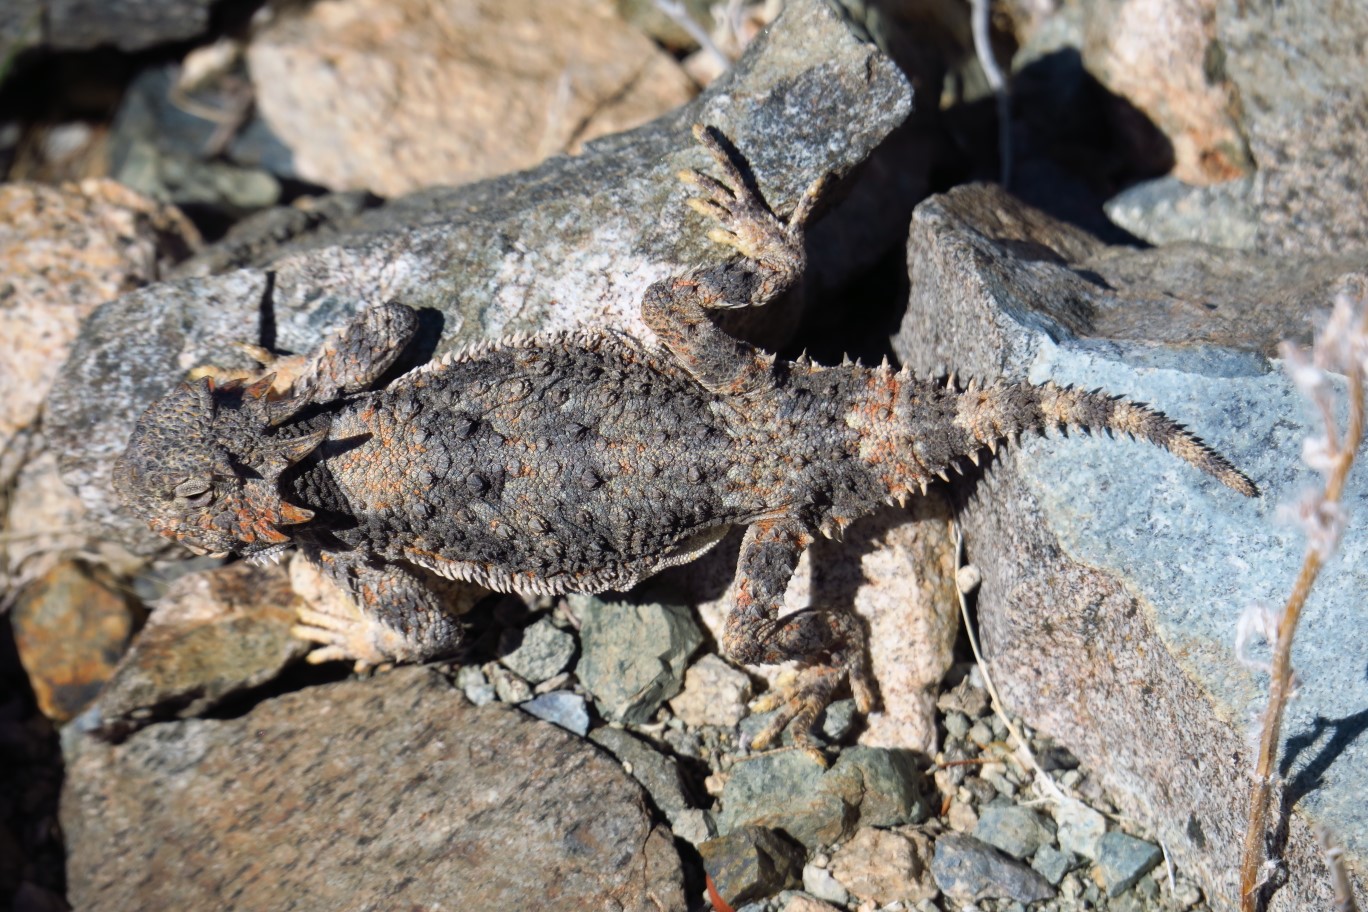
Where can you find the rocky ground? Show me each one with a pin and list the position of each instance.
(1184, 191)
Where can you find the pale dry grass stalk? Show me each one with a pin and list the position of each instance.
(1342, 346)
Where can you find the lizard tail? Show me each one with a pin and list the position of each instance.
(1022, 407)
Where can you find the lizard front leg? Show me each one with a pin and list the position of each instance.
(389, 614)
(351, 359)
(826, 646)
(677, 309)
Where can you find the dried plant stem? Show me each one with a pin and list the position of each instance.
(1279, 689)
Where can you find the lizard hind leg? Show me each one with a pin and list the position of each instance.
(828, 646)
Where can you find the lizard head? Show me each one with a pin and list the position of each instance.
(203, 467)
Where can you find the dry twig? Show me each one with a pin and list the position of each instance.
(1342, 346)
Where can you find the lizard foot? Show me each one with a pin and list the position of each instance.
(343, 631)
(282, 370)
(745, 220)
(800, 701)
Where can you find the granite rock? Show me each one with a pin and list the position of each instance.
(884, 866)
(395, 96)
(63, 251)
(633, 656)
(360, 794)
(714, 693)
(1163, 56)
(215, 633)
(70, 629)
(1113, 575)
(751, 863)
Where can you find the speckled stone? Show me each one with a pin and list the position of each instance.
(1122, 860)
(751, 863)
(70, 629)
(360, 794)
(214, 634)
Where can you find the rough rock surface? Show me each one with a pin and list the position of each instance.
(361, 794)
(130, 25)
(63, 251)
(575, 241)
(1112, 577)
(788, 791)
(214, 634)
(1163, 57)
(70, 628)
(633, 655)
(1302, 77)
(394, 96)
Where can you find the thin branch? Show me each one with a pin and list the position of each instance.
(983, 48)
(1344, 450)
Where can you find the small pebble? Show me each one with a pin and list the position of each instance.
(1122, 860)
(1052, 864)
(563, 708)
(820, 883)
(962, 818)
(956, 725)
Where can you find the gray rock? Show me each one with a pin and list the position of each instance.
(790, 792)
(1016, 830)
(633, 656)
(1128, 553)
(694, 825)
(213, 635)
(159, 147)
(838, 719)
(1166, 210)
(966, 868)
(1122, 860)
(129, 25)
(561, 707)
(508, 686)
(542, 651)
(821, 884)
(1302, 79)
(1052, 864)
(657, 773)
(751, 863)
(476, 687)
(575, 241)
(352, 794)
(956, 726)
(1080, 828)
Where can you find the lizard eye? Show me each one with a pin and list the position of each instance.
(196, 492)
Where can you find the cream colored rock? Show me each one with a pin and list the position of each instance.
(393, 96)
(886, 866)
(1163, 57)
(64, 250)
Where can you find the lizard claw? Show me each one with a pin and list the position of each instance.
(745, 221)
(342, 631)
